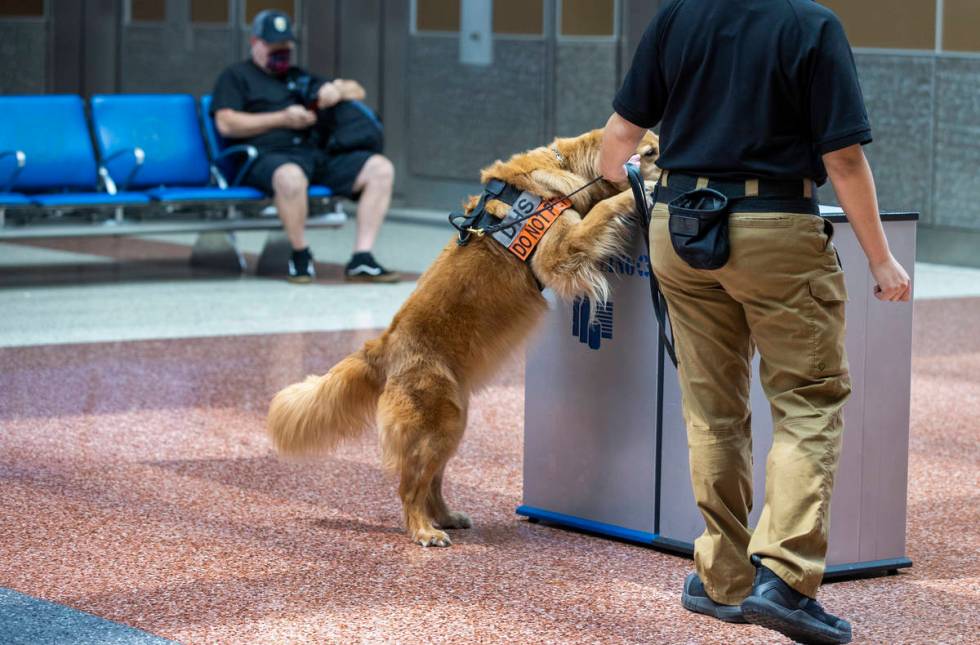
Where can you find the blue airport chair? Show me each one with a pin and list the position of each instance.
(46, 156)
(152, 142)
(235, 160)
(232, 160)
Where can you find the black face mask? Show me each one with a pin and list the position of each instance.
(278, 61)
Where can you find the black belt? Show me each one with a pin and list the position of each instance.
(753, 196)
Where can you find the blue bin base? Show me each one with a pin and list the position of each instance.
(686, 549)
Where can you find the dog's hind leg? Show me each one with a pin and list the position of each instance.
(421, 424)
(445, 518)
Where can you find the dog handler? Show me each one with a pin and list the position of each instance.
(758, 101)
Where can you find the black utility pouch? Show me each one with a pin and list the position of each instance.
(699, 228)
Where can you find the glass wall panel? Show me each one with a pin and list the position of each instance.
(22, 8)
(209, 11)
(588, 17)
(518, 17)
(252, 7)
(909, 24)
(437, 15)
(148, 10)
(961, 25)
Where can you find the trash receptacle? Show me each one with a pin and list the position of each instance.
(605, 449)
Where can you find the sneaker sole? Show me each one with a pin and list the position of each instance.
(384, 279)
(300, 279)
(768, 614)
(709, 608)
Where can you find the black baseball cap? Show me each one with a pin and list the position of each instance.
(273, 26)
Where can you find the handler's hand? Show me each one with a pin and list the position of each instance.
(616, 176)
(892, 282)
(297, 117)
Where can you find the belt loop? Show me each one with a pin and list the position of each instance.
(702, 182)
(751, 187)
(663, 177)
(807, 189)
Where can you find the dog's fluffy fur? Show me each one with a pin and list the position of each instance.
(473, 306)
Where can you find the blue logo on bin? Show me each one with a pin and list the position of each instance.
(629, 266)
(601, 327)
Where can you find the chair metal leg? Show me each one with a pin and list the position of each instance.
(217, 250)
(274, 259)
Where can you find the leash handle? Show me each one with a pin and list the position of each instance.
(659, 302)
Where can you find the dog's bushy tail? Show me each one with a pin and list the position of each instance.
(318, 413)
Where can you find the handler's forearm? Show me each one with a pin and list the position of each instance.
(854, 184)
(619, 141)
(241, 125)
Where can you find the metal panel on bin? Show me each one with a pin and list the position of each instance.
(596, 457)
(591, 455)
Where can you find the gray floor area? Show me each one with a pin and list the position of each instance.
(213, 306)
(13, 255)
(29, 621)
(403, 246)
(942, 281)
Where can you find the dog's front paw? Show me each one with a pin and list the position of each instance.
(431, 537)
(455, 520)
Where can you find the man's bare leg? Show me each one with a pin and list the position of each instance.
(375, 183)
(290, 184)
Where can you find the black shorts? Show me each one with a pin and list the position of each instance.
(337, 172)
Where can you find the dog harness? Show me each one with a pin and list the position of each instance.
(521, 230)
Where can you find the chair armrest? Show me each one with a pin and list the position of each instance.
(106, 179)
(250, 153)
(21, 159)
(139, 156)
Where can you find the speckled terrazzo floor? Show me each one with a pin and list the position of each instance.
(136, 484)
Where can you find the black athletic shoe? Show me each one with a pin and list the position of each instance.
(776, 605)
(696, 599)
(364, 268)
(301, 269)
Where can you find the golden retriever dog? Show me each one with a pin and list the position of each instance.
(473, 306)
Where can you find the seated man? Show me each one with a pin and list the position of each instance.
(255, 102)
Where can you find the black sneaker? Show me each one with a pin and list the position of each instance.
(364, 268)
(301, 269)
(696, 599)
(776, 605)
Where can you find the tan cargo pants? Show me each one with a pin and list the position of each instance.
(782, 292)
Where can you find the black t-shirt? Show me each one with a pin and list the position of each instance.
(244, 87)
(746, 88)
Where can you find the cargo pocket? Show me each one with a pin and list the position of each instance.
(829, 293)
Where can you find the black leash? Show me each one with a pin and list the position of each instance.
(659, 303)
